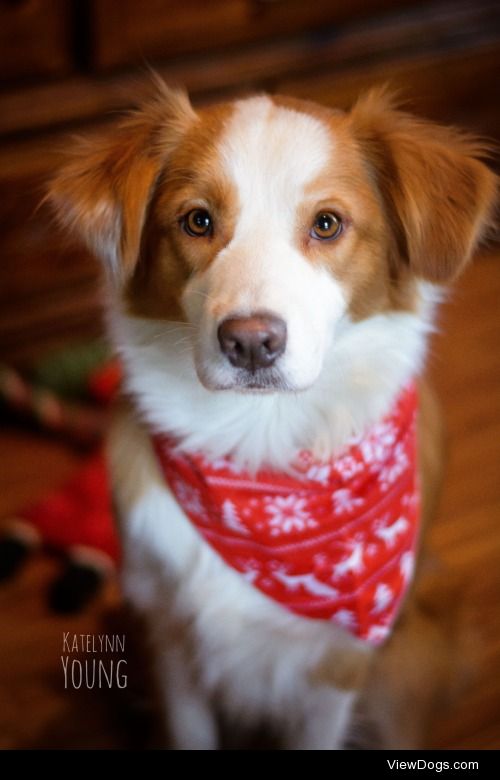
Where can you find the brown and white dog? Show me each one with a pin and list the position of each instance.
(273, 268)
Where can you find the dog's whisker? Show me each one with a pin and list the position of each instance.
(204, 294)
(165, 334)
(186, 341)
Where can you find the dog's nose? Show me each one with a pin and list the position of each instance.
(252, 342)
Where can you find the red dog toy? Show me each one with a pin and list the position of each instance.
(75, 520)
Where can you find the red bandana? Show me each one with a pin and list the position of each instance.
(336, 542)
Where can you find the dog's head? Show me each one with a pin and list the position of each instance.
(265, 222)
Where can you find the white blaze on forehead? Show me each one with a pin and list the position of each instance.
(271, 153)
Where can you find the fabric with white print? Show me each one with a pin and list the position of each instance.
(335, 542)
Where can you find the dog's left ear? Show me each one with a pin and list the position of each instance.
(438, 195)
(103, 190)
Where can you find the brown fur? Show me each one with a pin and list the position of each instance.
(413, 196)
(130, 455)
(345, 671)
(191, 179)
(414, 199)
(437, 195)
(104, 191)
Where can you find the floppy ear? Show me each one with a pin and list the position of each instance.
(439, 197)
(103, 191)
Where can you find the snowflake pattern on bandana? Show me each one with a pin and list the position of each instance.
(336, 542)
(288, 514)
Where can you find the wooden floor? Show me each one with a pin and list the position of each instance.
(465, 368)
(36, 710)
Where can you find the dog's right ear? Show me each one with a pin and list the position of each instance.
(103, 191)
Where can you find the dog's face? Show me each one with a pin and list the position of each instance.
(266, 220)
(266, 224)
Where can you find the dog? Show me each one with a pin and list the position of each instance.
(272, 271)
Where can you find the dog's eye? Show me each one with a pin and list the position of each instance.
(326, 226)
(197, 223)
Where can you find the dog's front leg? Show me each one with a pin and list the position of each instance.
(190, 722)
(324, 720)
(157, 548)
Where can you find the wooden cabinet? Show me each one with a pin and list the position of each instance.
(35, 38)
(127, 31)
(447, 87)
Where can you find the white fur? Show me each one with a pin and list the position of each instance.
(251, 653)
(264, 156)
(363, 369)
(99, 227)
(348, 372)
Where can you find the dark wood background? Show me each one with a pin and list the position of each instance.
(68, 66)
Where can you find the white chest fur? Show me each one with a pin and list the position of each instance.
(256, 657)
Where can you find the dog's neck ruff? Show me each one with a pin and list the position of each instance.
(336, 542)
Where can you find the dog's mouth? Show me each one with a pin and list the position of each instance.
(254, 386)
(264, 385)
(261, 381)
